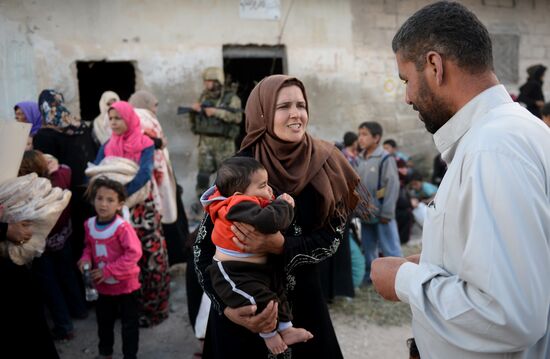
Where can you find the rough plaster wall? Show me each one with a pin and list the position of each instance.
(171, 43)
(340, 49)
(374, 23)
(16, 67)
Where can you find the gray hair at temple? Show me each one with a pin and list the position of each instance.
(449, 29)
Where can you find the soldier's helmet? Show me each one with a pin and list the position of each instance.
(214, 74)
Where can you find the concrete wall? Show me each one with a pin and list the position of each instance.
(340, 49)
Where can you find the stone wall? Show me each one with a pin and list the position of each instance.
(340, 49)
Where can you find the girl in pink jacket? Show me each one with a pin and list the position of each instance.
(112, 249)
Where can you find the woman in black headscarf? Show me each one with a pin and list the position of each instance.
(531, 92)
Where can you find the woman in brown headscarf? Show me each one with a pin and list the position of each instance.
(324, 185)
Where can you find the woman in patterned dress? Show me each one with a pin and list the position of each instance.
(128, 141)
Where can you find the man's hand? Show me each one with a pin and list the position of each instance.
(415, 258)
(249, 240)
(384, 220)
(209, 111)
(382, 273)
(196, 107)
(19, 233)
(264, 322)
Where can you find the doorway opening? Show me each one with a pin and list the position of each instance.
(245, 66)
(96, 77)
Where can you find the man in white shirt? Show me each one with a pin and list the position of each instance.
(480, 288)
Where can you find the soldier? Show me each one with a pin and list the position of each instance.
(215, 118)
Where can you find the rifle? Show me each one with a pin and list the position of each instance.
(182, 110)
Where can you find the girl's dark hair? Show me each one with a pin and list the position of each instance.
(96, 184)
(34, 161)
(234, 174)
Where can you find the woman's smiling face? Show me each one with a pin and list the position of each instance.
(291, 115)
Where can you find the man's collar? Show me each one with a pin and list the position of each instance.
(378, 152)
(451, 132)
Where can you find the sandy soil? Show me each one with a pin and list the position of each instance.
(361, 340)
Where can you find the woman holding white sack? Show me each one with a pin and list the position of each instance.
(29, 208)
(127, 141)
(174, 219)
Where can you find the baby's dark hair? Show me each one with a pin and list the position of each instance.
(118, 187)
(234, 174)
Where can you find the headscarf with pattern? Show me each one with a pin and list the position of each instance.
(55, 114)
(293, 165)
(132, 142)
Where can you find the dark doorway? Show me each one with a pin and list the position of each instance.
(96, 77)
(245, 66)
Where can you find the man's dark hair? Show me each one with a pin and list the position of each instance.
(451, 30)
(234, 174)
(390, 142)
(107, 183)
(374, 128)
(545, 111)
(350, 138)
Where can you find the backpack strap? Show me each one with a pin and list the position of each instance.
(380, 168)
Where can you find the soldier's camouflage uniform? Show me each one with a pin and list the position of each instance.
(218, 132)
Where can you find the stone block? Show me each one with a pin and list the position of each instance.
(384, 21)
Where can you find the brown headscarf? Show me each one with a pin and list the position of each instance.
(292, 166)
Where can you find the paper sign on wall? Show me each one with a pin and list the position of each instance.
(260, 9)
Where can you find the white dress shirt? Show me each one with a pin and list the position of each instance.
(482, 288)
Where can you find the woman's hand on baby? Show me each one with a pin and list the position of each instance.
(249, 240)
(288, 198)
(263, 322)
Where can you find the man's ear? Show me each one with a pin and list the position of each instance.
(434, 65)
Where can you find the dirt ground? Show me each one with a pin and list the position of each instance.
(359, 338)
(367, 327)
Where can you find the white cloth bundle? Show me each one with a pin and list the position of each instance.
(122, 170)
(31, 198)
